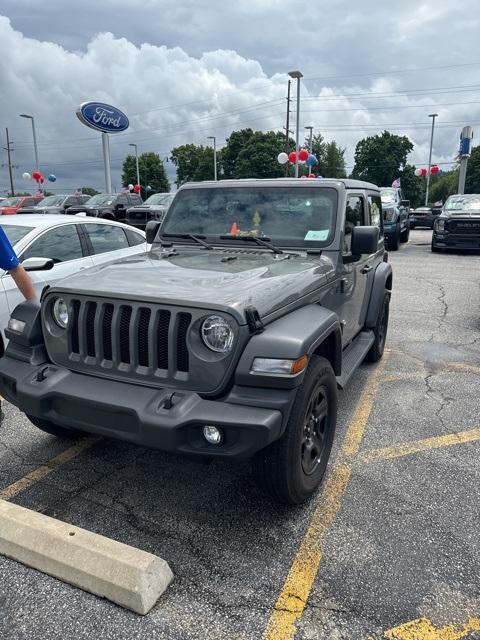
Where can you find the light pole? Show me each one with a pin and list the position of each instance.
(25, 115)
(297, 75)
(214, 156)
(132, 144)
(432, 116)
(310, 137)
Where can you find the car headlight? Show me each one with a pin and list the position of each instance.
(217, 334)
(440, 225)
(60, 313)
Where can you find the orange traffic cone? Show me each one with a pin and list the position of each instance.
(234, 229)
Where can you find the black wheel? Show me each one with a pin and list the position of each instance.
(292, 468)
(434, 248)
(393, 241)
(405, 235)
(53, 429)
(412, 225)
(380, 331)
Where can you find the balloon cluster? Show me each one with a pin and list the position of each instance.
(135, 188)
(38, 177)
(422, 172)
(304, 157)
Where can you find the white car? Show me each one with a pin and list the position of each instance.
(73, 243)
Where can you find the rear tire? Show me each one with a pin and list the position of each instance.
(291, 469)
(53, 429)
(393, 242)
(435, 249)
(405, 235)
(380, 331)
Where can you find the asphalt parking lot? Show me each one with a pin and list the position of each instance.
(388, 549)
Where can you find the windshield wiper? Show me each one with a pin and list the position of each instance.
(188, 235)
(262, 242)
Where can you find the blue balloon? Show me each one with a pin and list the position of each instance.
(311, 160)
(319, 177)
(148, 188)
(51, 178)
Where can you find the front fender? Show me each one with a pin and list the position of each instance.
(296, 334)
(382, 282)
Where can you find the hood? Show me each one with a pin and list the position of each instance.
(461, 214)
(201, 278)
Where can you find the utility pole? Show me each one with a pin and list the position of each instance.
(310, 137)
(8, 149)
(214, 156)
(297, 75)
(287, 127)
(432, 116)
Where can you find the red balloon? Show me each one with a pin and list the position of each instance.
(312, 175)
(36, 175)
(292, 157)
(137, 188)
(424, 172)
(434, 169)
(303, 155)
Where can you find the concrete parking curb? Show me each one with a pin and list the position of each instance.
(125, 575)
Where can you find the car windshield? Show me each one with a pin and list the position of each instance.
(160, 198)
(15, 233)
(100, 198)
(51, 201)
(463, 203)
(10, 202)
(387, 195)
(288, 216)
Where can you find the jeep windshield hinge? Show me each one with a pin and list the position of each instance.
(254, 321)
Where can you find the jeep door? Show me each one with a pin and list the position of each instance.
(356, 275)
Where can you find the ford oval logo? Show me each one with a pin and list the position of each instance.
(102, 117)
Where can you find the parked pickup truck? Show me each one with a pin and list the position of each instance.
(396, 221)
(228, 339)
(458, 226)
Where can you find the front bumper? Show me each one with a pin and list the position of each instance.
(422, 221)
(456, 241)
(137, 414)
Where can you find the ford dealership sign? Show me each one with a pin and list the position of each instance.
(102, 117)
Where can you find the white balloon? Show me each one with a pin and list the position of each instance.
(282, 158)
(26, 176)
(130, 186)
(418, 172)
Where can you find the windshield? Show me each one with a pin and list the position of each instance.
(160, 198)
(51, 201)
(289, 216)
(15, 233)
(387, 195)
(10, 202)
(463, 203)
(100, 198)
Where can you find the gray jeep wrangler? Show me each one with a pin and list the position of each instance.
(258, 299)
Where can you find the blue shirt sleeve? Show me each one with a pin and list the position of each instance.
(8, 259)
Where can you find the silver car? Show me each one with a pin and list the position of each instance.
(73, 243)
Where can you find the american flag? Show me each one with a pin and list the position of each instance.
(396, 183)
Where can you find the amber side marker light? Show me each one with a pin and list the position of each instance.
(279, 366)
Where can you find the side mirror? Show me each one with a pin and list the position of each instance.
(38, 264)
(119, 207)
(364, 240)
(151, 230)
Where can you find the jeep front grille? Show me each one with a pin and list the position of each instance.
(122, 336)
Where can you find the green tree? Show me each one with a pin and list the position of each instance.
(380, 159)
(472, 182)
(258, 158)
(89, 191)
(194, 163)
(443, 186)
(234, 145)
(152, 172)
(413, 187)
(330, 156)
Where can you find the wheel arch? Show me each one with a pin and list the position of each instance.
(383, 281)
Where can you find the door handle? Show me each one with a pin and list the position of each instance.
(366, 268)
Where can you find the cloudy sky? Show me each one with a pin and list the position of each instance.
(189, 69)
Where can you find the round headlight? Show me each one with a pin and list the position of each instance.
(60, 312)
(217, 334)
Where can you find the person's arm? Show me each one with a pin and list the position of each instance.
(23, 282)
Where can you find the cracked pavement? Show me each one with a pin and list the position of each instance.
(405, 541)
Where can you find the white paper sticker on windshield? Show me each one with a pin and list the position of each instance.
(317, 235)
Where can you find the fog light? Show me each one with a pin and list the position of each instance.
(212, 434)
(16, 325)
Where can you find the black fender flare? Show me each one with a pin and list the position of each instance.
(382, 282)
(301, 332)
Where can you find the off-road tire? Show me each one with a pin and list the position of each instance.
(405, 235)
(53, 429)
(279, 469)
(380, 331)
(393, 241)
(435, 249)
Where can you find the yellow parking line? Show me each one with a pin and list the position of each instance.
(301, 576)
(424, 629)
(37, 474)
(408, 448)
